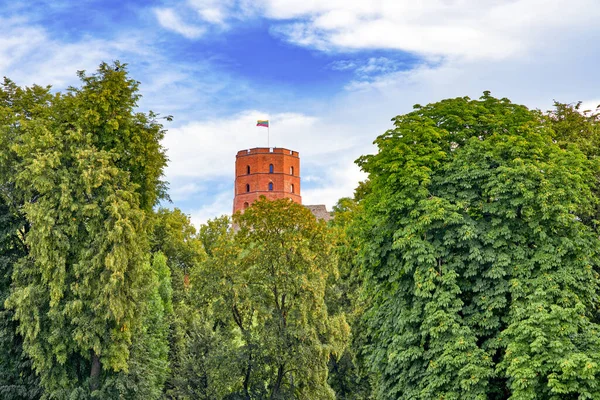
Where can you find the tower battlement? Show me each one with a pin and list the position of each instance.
(261, 150)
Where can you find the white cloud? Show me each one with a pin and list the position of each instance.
(204, 15)
(340, 180)
(343, 65)
(207, 149)
(169, 19)
(214, 11)
(29, 55)
(379, 65)
(530, 51)
(471, 29)
(590, 105)
(364, 68)
(182, 192)
(221, 205)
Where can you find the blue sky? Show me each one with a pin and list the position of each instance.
(329, 74)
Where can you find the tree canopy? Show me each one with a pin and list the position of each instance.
(82, 171)
(476, 252)
(465, 267)
(264, 288)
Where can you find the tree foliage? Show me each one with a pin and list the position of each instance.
(264, 289)
(348, 375)
(465, 267)
(482, 269)
(174, 236)
(17, 379)
(84, 170)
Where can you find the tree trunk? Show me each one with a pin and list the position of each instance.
(278, 381)
(247, 376)
(95, 372)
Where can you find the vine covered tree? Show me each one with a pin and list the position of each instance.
(479, 255)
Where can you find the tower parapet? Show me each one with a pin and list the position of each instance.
(264, 171)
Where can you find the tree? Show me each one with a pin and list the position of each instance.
(482, 272)
(572, 125)
(148, 365)
(174, 236)
(86, 171)
(264, 288)
(17, 378)
(348, 376)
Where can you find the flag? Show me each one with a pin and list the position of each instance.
(264, 123)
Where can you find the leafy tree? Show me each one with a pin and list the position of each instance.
(17, 379)
(482, 272)
(175, 236)
(105, 107)
(573, 126)
(80, 293)
(149, 362)
(264, 288)
(347, 375)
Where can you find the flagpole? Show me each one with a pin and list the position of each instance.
(269, 135)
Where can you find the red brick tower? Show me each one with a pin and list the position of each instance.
(270, 172)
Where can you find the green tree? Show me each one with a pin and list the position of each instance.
(264, 288)
(17, 378)
(175, 236)
(80, 293)
(348, 375)
(209, 364)
(572, 125)
(148, 366)
(482, 272)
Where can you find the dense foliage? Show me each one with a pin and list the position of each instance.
(480, 253)
(265, 330)
(81, 173)
(465, 267)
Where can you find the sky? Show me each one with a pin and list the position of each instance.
(328, 74)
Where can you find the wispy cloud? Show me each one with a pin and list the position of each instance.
(195, 18)
(528, 50)
(468, 28)
(28, 54)
(221, 204)
(369, 66)
(169, 19)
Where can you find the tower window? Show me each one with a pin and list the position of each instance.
(291, 170)
(247, 187)
(248, 169)
(246, 205)
(270, 186)
(270, 168)
(292, 187)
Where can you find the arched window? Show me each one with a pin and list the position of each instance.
(291, 170)
(247, 187)
(271, 186)
(246, 205)
(248, 169)
(292, 188)
(270, 168)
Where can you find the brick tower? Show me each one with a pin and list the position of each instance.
(270, 172)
